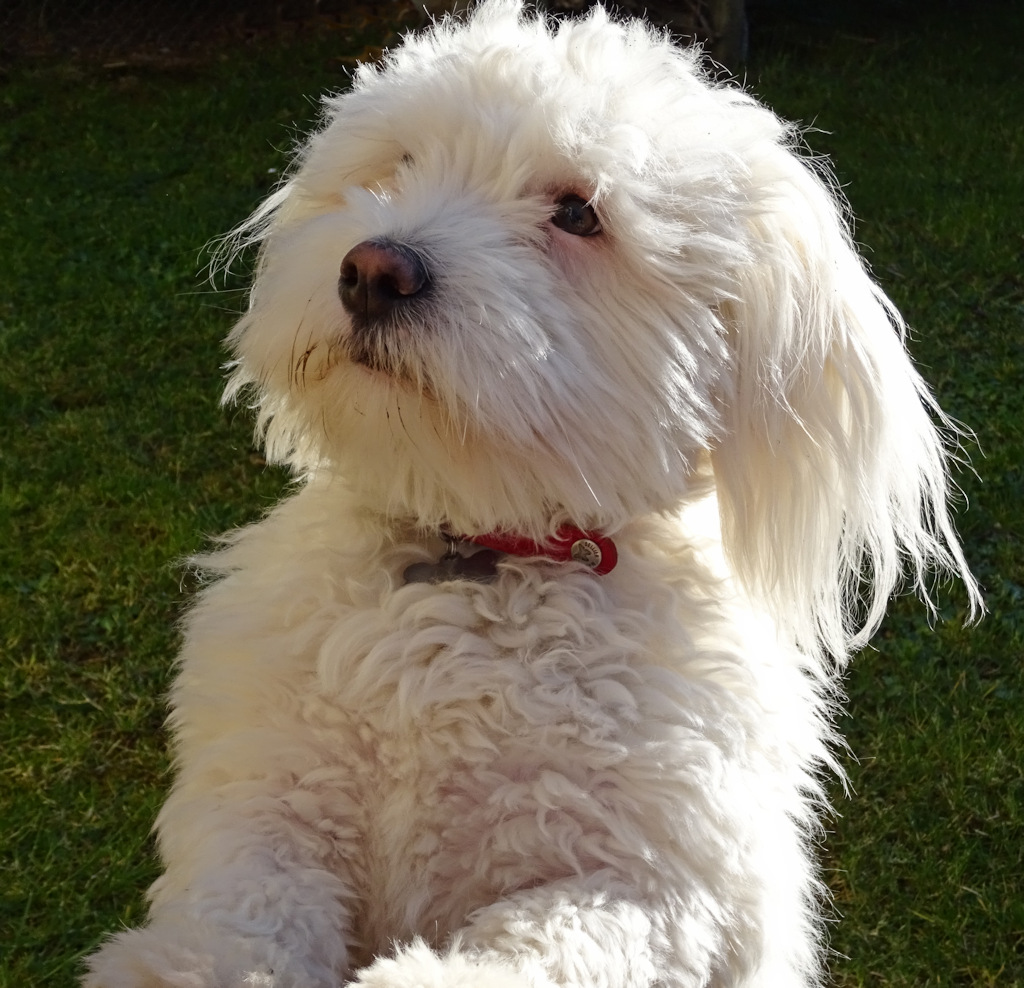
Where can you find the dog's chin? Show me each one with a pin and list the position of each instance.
(382, 354)
(372, 359)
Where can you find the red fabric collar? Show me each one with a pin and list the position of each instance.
(569, 543)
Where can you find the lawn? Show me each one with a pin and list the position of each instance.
(117, 461)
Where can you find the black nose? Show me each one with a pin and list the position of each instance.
(378, 277)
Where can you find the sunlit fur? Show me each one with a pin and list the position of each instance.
(554, 778)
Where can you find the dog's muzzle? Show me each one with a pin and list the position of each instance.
(379, 279)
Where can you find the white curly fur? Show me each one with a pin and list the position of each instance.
(556, 778)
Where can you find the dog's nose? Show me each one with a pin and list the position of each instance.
(378, 277)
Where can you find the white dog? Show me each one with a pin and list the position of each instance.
(550, 291)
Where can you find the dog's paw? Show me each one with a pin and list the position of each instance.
(417, 966)
(185, 958)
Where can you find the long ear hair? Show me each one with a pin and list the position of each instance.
(833, 474)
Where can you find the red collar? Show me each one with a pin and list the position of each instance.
(569, 542)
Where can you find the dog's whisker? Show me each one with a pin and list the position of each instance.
(304, 361)
(291, 357)
(575, 461)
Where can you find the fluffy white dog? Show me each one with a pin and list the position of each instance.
(550, 291)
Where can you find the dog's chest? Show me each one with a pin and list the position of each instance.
(489, 729)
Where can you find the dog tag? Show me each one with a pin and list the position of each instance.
(481, 567)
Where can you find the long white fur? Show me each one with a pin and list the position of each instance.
(555, 778)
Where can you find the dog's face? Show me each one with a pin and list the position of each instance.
(491, 292)
(525, 275)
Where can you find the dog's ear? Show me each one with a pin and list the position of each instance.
(833, 472)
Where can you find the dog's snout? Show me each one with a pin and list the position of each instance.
(378, 277)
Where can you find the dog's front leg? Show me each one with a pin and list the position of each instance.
(247, 900)
(580, 932)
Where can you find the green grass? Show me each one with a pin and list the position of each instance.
(925, 861)
(116, 462)
(116, 459)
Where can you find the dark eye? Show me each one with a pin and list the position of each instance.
(576, 216)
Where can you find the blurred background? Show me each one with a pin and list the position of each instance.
(148, 30)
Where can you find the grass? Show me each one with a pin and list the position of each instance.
(925, 860)
(117, 461)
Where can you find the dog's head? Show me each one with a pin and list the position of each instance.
(525, 273)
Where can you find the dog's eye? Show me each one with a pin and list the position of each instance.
(576, 216)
